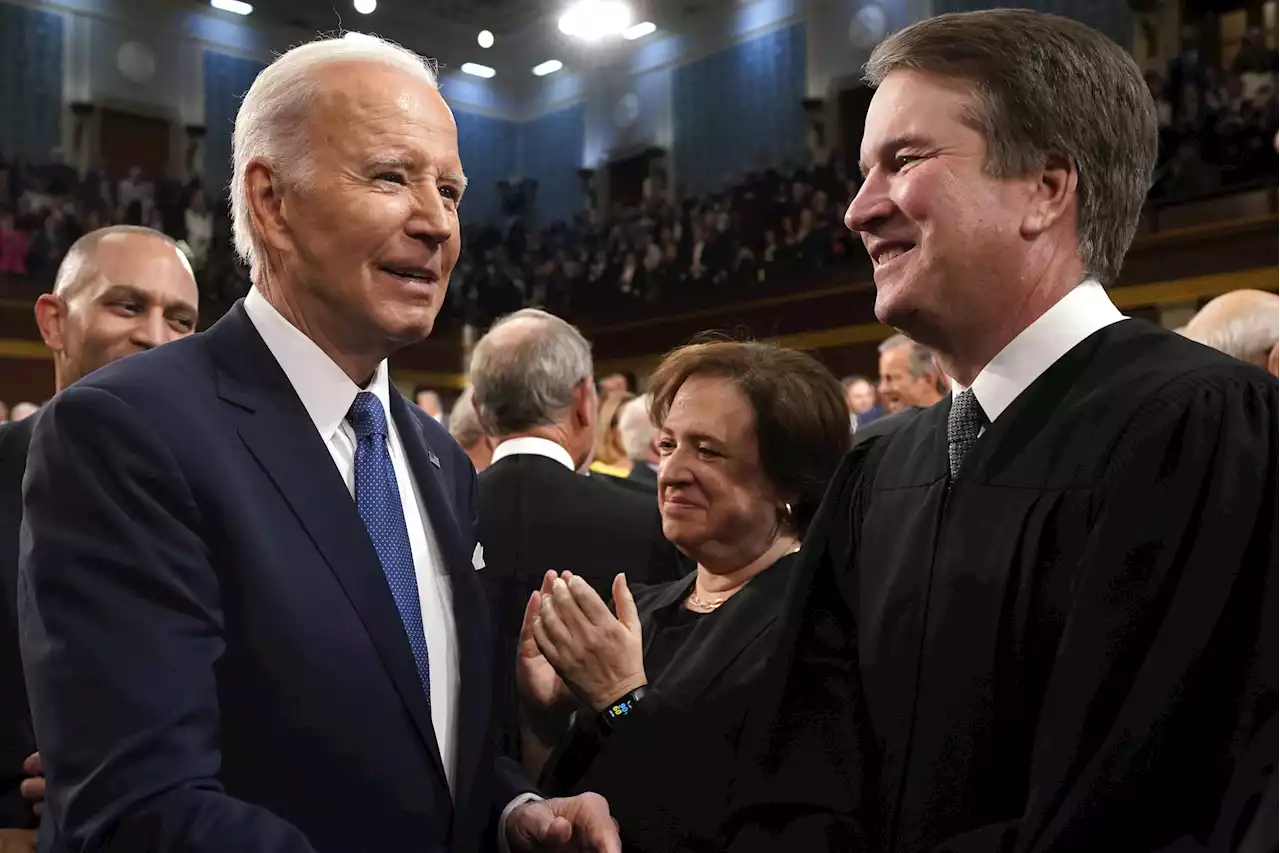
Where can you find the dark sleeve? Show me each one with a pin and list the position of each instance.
(509, 778)
(121, 629)
(1159, 723)
(798, 784)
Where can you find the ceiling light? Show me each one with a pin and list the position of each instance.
(591, 19)
(551, 66)
(366, 7)
(477, 70)
(236, 7)
(639, 31)
(485, 39)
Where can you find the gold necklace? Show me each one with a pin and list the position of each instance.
(702, 604)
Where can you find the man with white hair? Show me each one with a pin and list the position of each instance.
(639, 440)
(267, 632)
(1244, 324)
(909, 377)
(534, 391)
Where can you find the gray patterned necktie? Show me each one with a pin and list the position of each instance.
(963, 425)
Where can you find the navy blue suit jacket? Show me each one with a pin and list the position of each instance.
(215, 662)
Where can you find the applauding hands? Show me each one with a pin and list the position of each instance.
(572, 641)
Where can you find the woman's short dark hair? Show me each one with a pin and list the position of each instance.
(802, 420)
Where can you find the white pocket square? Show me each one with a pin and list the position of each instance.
(477, 557)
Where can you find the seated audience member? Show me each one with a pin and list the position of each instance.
(610, 456)
(617, 383)
(749, 436)
(429, 402)
(909, 376)
(4, 412)
(864, 402)
(1244, 324)
(14, 244)
(534, 392)
(639, 440)
(119, 291)
(464, 426)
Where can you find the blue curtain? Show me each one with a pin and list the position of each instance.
(30, 80)
(740, 108)
(488, 147)
(551, 154)
(226, 80)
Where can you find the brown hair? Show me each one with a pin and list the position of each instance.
(1046, 85)
(802, 420)
(608, 445)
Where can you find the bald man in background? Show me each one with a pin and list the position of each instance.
(1244, 324)
(120, 290)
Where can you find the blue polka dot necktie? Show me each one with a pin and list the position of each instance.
(378, 499)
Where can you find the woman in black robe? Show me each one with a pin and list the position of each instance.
(749, 436)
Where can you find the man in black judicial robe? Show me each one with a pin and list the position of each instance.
(1040, 615)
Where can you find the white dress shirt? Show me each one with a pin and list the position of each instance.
(327, 394)
(529, 445)
(1076, 316)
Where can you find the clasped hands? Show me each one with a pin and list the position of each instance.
(571, 644)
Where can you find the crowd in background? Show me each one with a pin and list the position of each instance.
(1217, 126)
(1217, 130)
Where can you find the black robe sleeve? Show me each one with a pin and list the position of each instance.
(1168, 657)
(799, 776)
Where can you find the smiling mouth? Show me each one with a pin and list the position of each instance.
(411, 274)
(891, 253)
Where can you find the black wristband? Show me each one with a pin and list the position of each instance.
(619, 709)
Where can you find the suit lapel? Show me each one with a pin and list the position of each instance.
(281, 437)
(470, 608)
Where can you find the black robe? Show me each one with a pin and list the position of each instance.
(1071, 648)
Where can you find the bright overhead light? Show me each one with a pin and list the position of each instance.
(592, 19)
(366, 7)
(485, 39)
(236, 7)
(477, 70)
(639, 31)
(551, 66)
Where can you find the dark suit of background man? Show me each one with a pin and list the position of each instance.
(249, 616)
(532, 376)
(639, 440)
(120, 290)
(1041, 614)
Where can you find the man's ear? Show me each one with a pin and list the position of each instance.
(1053, 195)
(266, 196)
(51, 313)
(1273, 361)
(585, 404)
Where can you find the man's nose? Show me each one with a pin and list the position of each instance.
(870, 206)
(432, 220)
(152, 330)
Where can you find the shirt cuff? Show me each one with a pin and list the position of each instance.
(503, 845)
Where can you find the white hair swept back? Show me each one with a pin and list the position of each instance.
(270, 121)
